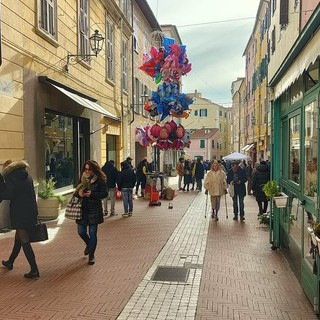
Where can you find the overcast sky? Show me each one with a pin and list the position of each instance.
(216, 38)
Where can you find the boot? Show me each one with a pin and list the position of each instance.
(34, 272)
(216, 217)
(15, 251)
(91, 259)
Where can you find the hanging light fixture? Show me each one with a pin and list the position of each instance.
(96, 43)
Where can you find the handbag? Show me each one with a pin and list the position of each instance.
(38, 233)
(74, 209)
(231, 190)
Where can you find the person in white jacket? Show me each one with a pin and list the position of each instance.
(215, 184)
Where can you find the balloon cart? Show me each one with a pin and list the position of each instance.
(154, 192)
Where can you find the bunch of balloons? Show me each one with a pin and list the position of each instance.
(169, 136)
(167, 64)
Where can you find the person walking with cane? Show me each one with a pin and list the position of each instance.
(216, 185)
(237, 177)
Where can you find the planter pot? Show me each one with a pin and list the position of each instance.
(280, 201)
(48, 209)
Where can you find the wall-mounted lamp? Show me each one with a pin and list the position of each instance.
(96, 43)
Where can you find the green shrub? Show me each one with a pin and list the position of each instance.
(47, 190)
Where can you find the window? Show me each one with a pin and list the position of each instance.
(284, 12)
(195, 112)
(212, 144)
(124, 64)
(137, 95)
(59, 149)
(126, 10)
(294, 143)
(311, 149)
(110, 51)
(202, 143)
(203, 112)
(47, 17)
(273, 40)
(84, 29)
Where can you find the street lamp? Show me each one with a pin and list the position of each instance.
(96, 43)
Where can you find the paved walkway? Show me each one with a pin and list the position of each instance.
(159, 264)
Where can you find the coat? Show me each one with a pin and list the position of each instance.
(215, 182)
(92, 206)
(16, 185)
(259, 179)
(111, 173)
(239, 189)
(127, 177)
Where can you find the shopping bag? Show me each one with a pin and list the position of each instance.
(231, 190)
(74, 209)
(38, 233)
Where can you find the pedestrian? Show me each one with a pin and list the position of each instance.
(199, 174)
(249, 170)
(129, 161)
(193, 170)
(259, 179)
(216, 185)
(187, 177)
(237, 178)
(180, 171)
(142, 169)
(126, 183)
(92, 188)
(111, 173)
(16, 185)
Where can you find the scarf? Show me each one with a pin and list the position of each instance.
(86, 181)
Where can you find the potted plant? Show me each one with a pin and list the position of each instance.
(49, 203)
(272, 191)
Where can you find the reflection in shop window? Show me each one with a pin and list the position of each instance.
(311, 150)
(59, 149)
(294, 144)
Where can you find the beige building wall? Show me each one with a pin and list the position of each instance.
(28, 53)
(284, 36)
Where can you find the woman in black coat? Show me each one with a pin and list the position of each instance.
(92, 188)
(259, 179)
(187, 177)
(16, 185)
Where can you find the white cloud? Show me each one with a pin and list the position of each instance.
(214, 49)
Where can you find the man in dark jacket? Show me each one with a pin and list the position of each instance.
(259, 179)
(141, 172)
(126, 182)
(111, 173)
(199, 174)
(237, 177)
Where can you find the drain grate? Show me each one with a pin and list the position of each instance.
(178, 274)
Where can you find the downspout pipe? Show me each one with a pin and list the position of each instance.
(132, 63)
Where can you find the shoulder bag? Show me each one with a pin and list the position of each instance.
(74, 209)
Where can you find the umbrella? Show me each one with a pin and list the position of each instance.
(235, 156)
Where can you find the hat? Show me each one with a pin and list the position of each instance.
(128, 158)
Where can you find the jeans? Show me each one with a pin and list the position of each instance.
(112, 195)
(199, 184)
(180, 182)
(235, 205)
(127, 199)
(89, 239)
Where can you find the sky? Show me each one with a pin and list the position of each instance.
(216, 34)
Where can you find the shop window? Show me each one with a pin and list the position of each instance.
(311, 149)
(59, 149)
(294, 143)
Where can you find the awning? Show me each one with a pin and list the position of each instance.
(247, 147)
(79, 98)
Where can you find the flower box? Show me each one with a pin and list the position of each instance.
(281, 200)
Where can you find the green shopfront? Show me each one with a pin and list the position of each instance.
(294, 156)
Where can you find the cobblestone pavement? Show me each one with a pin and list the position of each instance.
(158, 264)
